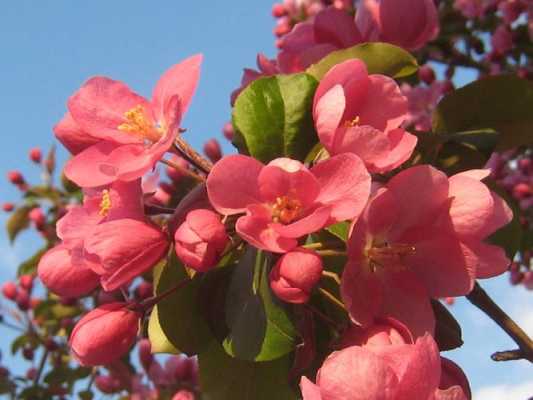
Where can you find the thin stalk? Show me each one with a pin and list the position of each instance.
(183, 170)
(332, 299)
(193, 155)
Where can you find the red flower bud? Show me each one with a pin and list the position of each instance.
(15, 177)
(36, 155)
(28, 353)
(175, 174)
(295, 274)
(227, 130)
(23, 300)
(144, 290)
(107, 384)
(145, 354)
(522, 190)
(212, 150)
(278, 10)
(183, 395)
(37, 217)
(26, 282)
(104, 334)
(9, 290)
(62, 276)
(426, 74)
(200, 240)
(8, 207)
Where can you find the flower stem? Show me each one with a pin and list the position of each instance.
(152, 301)
(192, 155)
(183, 170)
(332, 275)
(42, 363)
(331, 253)
(481, 300)
(332, 299)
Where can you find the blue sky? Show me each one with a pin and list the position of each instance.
(49, 48)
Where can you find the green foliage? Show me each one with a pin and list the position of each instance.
(340, 230)
(502, 103)
(226, 378)
(18, 221)
(29, 266)
(158, 340)
(380, 58)
(448, 334)
(260, 328)
(273, 117)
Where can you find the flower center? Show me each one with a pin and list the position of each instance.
(105, 204)
(383, 254)
(353, 123)
(139, 124)
(286, 210)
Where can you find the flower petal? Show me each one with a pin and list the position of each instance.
(258, 232)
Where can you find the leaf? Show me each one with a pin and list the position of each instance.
(29, 266)
(380, 58)
(448, 334)
(43, 192)
(179, 313)
(260, 328)
(502, 103)
(18, 221)
(158, 340)
(225, 378)
(340, 230)
(273, 117)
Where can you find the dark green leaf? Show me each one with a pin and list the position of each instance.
(225, 378)
(18, 221)
(179, 313)
(448, 334)
(260, 328)
(29, 266)
(380, 58)
(273, 117)
(340, 230)
(502, 103)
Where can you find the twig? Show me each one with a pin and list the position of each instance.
(332, 275)
(331, 298)
(481, 300)
(42, 363)
(193, 155)
(183, 170)
(331, 253)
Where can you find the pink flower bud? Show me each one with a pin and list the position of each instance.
(201, 239)
(8, 207)
(37, 216)
(522, 190)
(31, 373)
(183, 395)
(62, 276)
(107, 384)
(426, 74)
(15, 177)
(278, 10)
(36, 155)
(104, 334)
(525, 164)
(212, 150)
(516, 277)
(144, 290)
(26, 282)
(23, 300)
(145, 353)
(282, 28)
(227, 130)
(182, 368)
(295, 275)
(528, 280)
(9, 290)
(28, 353)
(175, 174)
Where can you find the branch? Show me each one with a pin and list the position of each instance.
(192, 155)
(481, 300)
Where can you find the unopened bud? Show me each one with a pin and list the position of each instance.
(36, 155)
(278, 10)
(15, 177)
(212, 150)
(9, 290)
(426, 74)
(8, 207)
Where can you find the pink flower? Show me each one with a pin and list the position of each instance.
(62, 275)
(502, 40)
(295, 275)
(131, 133)
(406, 23)
(359, 113)
(422, 100)
(384, 362)
(183, 395)
(310, 41)
(284, 200)
(96, 232)
(201, 240)
(421, 237)
(104, 334)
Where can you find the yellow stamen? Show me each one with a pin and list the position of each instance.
(139, 124)
(105, 204)
(389, 255)
(286, 210)
(353, 123)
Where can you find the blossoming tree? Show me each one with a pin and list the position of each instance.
(313, 262)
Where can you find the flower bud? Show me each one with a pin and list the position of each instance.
(28, 353)
(8, 207)
(31, 373)
(26, 282)
(522, 190)
(282, 28)
(9, 290)
(228, 131)
(23, 300)
(107, 384)
(528, 280)
(295, 275)
(201, 239)
(145, 353)
(58, 273)
(36, 155)
(104, 334)
(15, 177)
(212, 150)
(144, 290)
(426, 74)
(175, 174)
(183, 395)
(278, 10)
(38, 218)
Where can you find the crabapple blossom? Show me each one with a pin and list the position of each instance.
(285, 200)
(359, 113)
(104, 334)
(200, 240)
(131, 133)
(295, 275)
(420, 237)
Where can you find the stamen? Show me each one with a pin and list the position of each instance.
(105, 204)
(286, 210)
(353, 123)
(139, 124)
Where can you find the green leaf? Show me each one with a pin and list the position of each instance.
(340, 230)
(29, 266)
(158, 340)
(260, 328)
(179, 314)
(273, 117)
(225, 378)
(380, 58)
(43, 192)
(502, 103)
(18, 221)
(448, 334)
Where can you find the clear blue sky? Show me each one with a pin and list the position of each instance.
(48, 48)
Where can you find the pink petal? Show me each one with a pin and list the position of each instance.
(71, 136)
(381, 213)
(98, 107)
(232, 184)
(328, 113)
(180, 80)
(367, 20)
(310, 391)
(401, 147)
(477, 174)
(345, 186)
(336, 27)
(309, 224)
(258, 232)
(489, 261)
